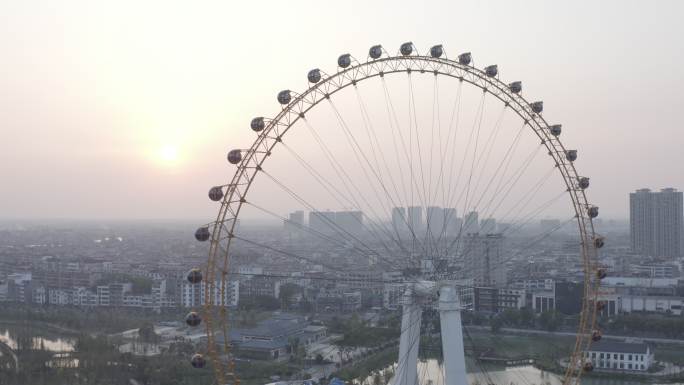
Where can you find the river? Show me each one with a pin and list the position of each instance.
(430, 373)
(10, 334)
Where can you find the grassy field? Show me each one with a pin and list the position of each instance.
(548, 349)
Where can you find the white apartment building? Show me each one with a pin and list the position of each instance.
(193, 295)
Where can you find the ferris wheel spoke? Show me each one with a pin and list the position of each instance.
(533, 214)
(513, 180)
(505, 160)
(452, 132)
(412, 184)
(533, 242)
(452, 190)
(359, 154)
(527, 197)
(479, 117)
(497, 196)
(373, 138)
(335, 192)
(283, 252)
(322, 180)
(309, 230)
(413, 124)
(481, 163)
(393, 124)
(432, 199)
(346, 181)
(474, 133)
(428, 238)
(361, 157)
(334, 226)
(375, 143)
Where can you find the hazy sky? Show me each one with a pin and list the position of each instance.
(126, 109)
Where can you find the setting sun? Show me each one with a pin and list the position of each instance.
(168, 155)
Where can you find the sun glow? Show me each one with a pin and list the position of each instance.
(168, 155)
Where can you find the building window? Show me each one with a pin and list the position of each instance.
(615, 356)
(630, 357)
(601, 355)
(622, 366)
(622, 356)
(629, 366)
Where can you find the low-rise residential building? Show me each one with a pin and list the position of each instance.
(277, 338)
(623, 356)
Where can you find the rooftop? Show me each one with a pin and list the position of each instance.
(619, 347)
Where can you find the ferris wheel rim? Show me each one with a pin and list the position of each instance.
(329, 84)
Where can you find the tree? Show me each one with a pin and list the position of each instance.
(287, 291)
(526, 317)
(495, 323)
(510, 317)
(549, 320)
(146, 333)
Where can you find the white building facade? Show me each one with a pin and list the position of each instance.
(621, 356)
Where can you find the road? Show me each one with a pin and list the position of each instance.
(572, 334)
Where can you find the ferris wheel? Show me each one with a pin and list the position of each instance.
(408, 161)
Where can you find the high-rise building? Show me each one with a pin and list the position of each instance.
(655, 220)
(471, 223)
(642, 221)
(483, 260)
(435, 220)
(349, 222)
(415, 218)
(193, 294)
(452, 222)
(488, 226)
(297, 217)
(323, 222)
(399, 221)
(294, 224)
(669, 217)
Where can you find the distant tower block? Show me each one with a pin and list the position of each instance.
(471, 223)
(349, 222)
(452, 222)
(488, 226)
(294, 223)
(655, 220)
(399, 221)
(415, 218)
(435, 221)
(482, 259)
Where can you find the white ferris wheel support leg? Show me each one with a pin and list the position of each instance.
(452, 336)
(409, 342)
